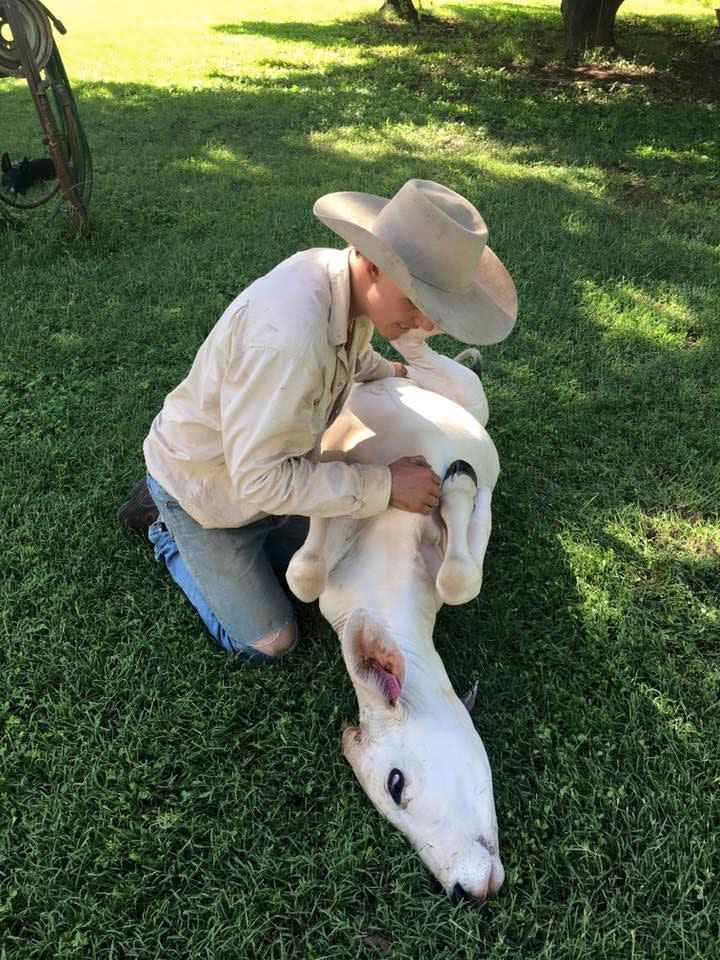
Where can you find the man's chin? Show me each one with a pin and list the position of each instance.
(388, 331)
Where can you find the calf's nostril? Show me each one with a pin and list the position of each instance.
(458, 893)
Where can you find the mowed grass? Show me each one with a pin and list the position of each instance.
(159, 799)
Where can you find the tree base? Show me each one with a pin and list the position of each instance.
(405, 9)
(589, 23)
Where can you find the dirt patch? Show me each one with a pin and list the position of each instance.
(597, 76)
(689, 79)
(701, 543)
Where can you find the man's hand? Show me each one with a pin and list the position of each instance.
(400, 369)
(415, 487)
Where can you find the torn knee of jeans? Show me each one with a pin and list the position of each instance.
(277, 643)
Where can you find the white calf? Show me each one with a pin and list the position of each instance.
(381, 582)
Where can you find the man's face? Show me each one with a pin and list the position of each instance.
(391, 312)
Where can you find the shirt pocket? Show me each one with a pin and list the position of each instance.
(321, 404)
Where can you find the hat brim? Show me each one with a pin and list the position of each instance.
(485, 314)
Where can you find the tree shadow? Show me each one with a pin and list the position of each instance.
(668, 54)
(236, 146)
(572, 114)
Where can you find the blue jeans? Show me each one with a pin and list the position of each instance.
(231, 576)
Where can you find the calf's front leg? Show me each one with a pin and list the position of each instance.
(459, 578)
(307, 571)
(327, 542)
(480, 526)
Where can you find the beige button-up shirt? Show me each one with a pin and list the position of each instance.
(239, 438)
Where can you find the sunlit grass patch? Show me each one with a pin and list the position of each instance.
(665, 316)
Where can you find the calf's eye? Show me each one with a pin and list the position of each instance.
(395, 784)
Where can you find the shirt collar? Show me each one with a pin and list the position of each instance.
(339, 272)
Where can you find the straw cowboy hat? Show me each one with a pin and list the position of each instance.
(432, 243)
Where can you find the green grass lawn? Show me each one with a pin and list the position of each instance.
(157, 799)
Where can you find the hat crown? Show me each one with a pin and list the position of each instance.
(438, 233)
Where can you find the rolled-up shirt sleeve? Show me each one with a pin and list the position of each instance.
(373, 366)
(268, 401)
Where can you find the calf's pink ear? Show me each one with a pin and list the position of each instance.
(374, 660)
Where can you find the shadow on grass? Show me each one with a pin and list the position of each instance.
(669, 54)
(236, 148)
(625, 116)
(233, 149)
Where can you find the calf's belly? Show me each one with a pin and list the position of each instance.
(388, 419)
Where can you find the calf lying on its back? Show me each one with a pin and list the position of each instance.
(381, 582)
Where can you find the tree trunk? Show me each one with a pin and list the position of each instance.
(589, 23)
(405, 9)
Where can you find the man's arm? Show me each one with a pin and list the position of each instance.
(373, 366)
(268, 400)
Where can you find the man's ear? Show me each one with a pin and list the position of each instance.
(373, 270)
(373, 659)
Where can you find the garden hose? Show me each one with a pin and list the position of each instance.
(39, 34)
(78, 149)
(45, 54)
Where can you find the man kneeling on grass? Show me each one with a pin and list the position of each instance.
(233, 456)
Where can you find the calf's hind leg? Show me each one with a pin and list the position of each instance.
(449, 378)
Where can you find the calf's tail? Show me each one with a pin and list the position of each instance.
(475, 358)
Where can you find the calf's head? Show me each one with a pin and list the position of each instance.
(420, 760)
